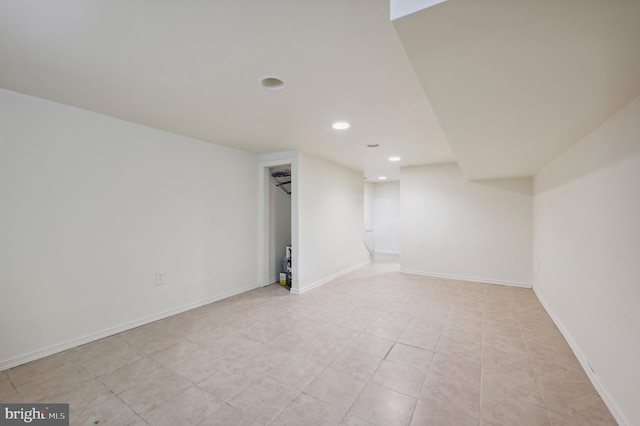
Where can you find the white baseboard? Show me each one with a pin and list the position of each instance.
(463, 278)
(611, 405)
(41, 353)
(329, 278)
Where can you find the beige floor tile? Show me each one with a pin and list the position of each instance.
(432, 413)
(372, 345)
(107, 355)
(551, 355)
(57, 372)
(510, 411)
(496, 359)
(148, 394)
(419, 338)
(225, 384)
(506, 343)
(451, 345)
(87, 393)
(463, 365)
(289, 342)
(296, 371)
(520, 384)
(355, 322)
(462, 335)
(357, 363)
(79, 398)
(8, 393)
(264, 399)
(567, 390)
(400, 378)
(222, 342)
(383, 406)
(338, 335)
(176, 354)
(227, 416)
(148, 340)
(351, 420)
(109, 412)
(434, 311)
(558, 419)
(308, 410)
(197, 366)
(456, 395)
(263, 331)
(336, 388)
(321, 352)
(411, 356)
(400, 317)
(385, 329)
(364, 343)
(129, 375)
(187, 408)
(262, 359)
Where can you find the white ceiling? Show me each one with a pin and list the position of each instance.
(516, 83)
(513, 83)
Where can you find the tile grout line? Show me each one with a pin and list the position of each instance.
(535, 373)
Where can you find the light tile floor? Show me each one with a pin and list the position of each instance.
(375, 347)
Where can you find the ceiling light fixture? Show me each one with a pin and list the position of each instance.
(373, 145)
(341, 125)
(394, 158)
(382, 177)
(272, 83)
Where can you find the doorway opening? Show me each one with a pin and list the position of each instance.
(278, 221)
(280, 191)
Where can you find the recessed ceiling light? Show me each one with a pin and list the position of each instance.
(272, 83)
(382, 177)
(394, 158)
(373, 145)
(341, 125)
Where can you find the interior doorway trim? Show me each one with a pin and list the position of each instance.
(266, 162)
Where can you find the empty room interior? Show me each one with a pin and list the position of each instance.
(380, 212)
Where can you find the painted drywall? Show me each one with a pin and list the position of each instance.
(368, 216)
(386, 217)
(92, 207)
(451, 227)
(587, 252)
(400, 8)
(368, 204)
(280, 229)
(330, 221)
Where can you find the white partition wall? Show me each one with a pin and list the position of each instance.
(387, 221)
(330, 221)
(92, 208)
(479, 231)
(587, 255)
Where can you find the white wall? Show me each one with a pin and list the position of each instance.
(280, 229)
(387, 221)
(451, 227)
(587, 248)
(330, 221)
(368, 216)
(92, 207)
(369, 187)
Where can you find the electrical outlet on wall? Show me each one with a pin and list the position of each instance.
(160, 278)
